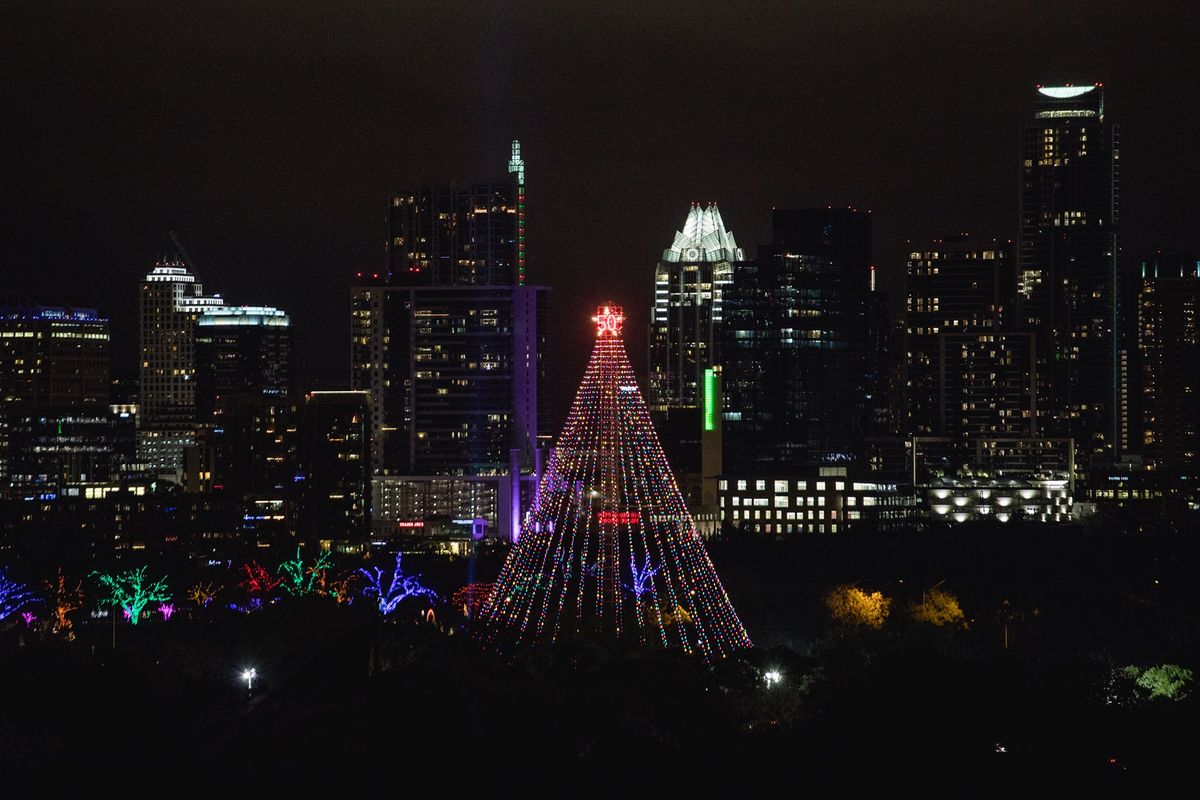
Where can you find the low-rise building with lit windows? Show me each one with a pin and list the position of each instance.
(1007, 479)
(825, 501)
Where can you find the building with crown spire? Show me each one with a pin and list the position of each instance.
(684, 343)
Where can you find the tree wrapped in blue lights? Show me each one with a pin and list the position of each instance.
(398, 587)
(131, 591)
(14, 596)
(609, 548)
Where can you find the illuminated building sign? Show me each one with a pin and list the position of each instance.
(619, 517)
(710, 399)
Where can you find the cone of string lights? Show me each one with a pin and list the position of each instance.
(609, 549)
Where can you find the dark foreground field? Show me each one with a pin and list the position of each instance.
(1040, 678)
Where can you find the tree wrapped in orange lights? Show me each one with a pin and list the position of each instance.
(64, 599)
(203, 593)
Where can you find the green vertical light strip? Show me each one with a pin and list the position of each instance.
(710, 411)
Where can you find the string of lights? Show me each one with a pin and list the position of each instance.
(610, 548)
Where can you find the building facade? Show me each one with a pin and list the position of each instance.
(241, 350)
(966, 372)
(825, 500)
(801, 346)
(1168, 343)
(1069, 275)
(684, 348)
(53, 357)
(335, 466)
(447, 339)
(56, 429)
(1006, 479)
(170, 302)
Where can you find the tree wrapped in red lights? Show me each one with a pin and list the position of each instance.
(609, 548)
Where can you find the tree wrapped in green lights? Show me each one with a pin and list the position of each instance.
(609, 548)
(301, 578)
(131, 591)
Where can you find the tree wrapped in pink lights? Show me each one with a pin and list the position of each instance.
(609, 548)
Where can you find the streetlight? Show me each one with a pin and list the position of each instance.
(248, 675)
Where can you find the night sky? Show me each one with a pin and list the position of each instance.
(268, 135)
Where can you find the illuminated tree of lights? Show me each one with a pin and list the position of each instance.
(398, 587)
(131, 592)
(64, 600)
(29, 617)
(203, 593)
(259, 580)
(13, 596)
(341, 588)
(472, 597)
(642, 578)
(606, 504)
(167, 610)
(299, 579)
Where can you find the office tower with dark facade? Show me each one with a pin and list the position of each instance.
(335, 466)
(1069, 277)
(1169, 348)
(447, 338)
(799, 358)
(802, 337)
(967, 372)
(684, 345)
(55, 425)
(247, 417)
(241, 350)
(170, 302)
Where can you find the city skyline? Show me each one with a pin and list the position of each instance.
(289, 202)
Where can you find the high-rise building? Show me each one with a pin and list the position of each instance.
(966, 373)
(1068, 278)
(799, 361)
(55, 425)
(241, 350)
(171, 300)
(456, 373)
(52, 357)
(335, 466)
(447, 236)
(686, 316)
(1169, 348)
(684, 343)
(447, 341)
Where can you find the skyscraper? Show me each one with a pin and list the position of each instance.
(335, 466)
(686, 315)
(53, 357)
(685, 324)
(1068, 279)
(241, 350)
(1169, 346)
(800, 359)
(171, 300)
(55, 426)
(446, 338)
(966, 373)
